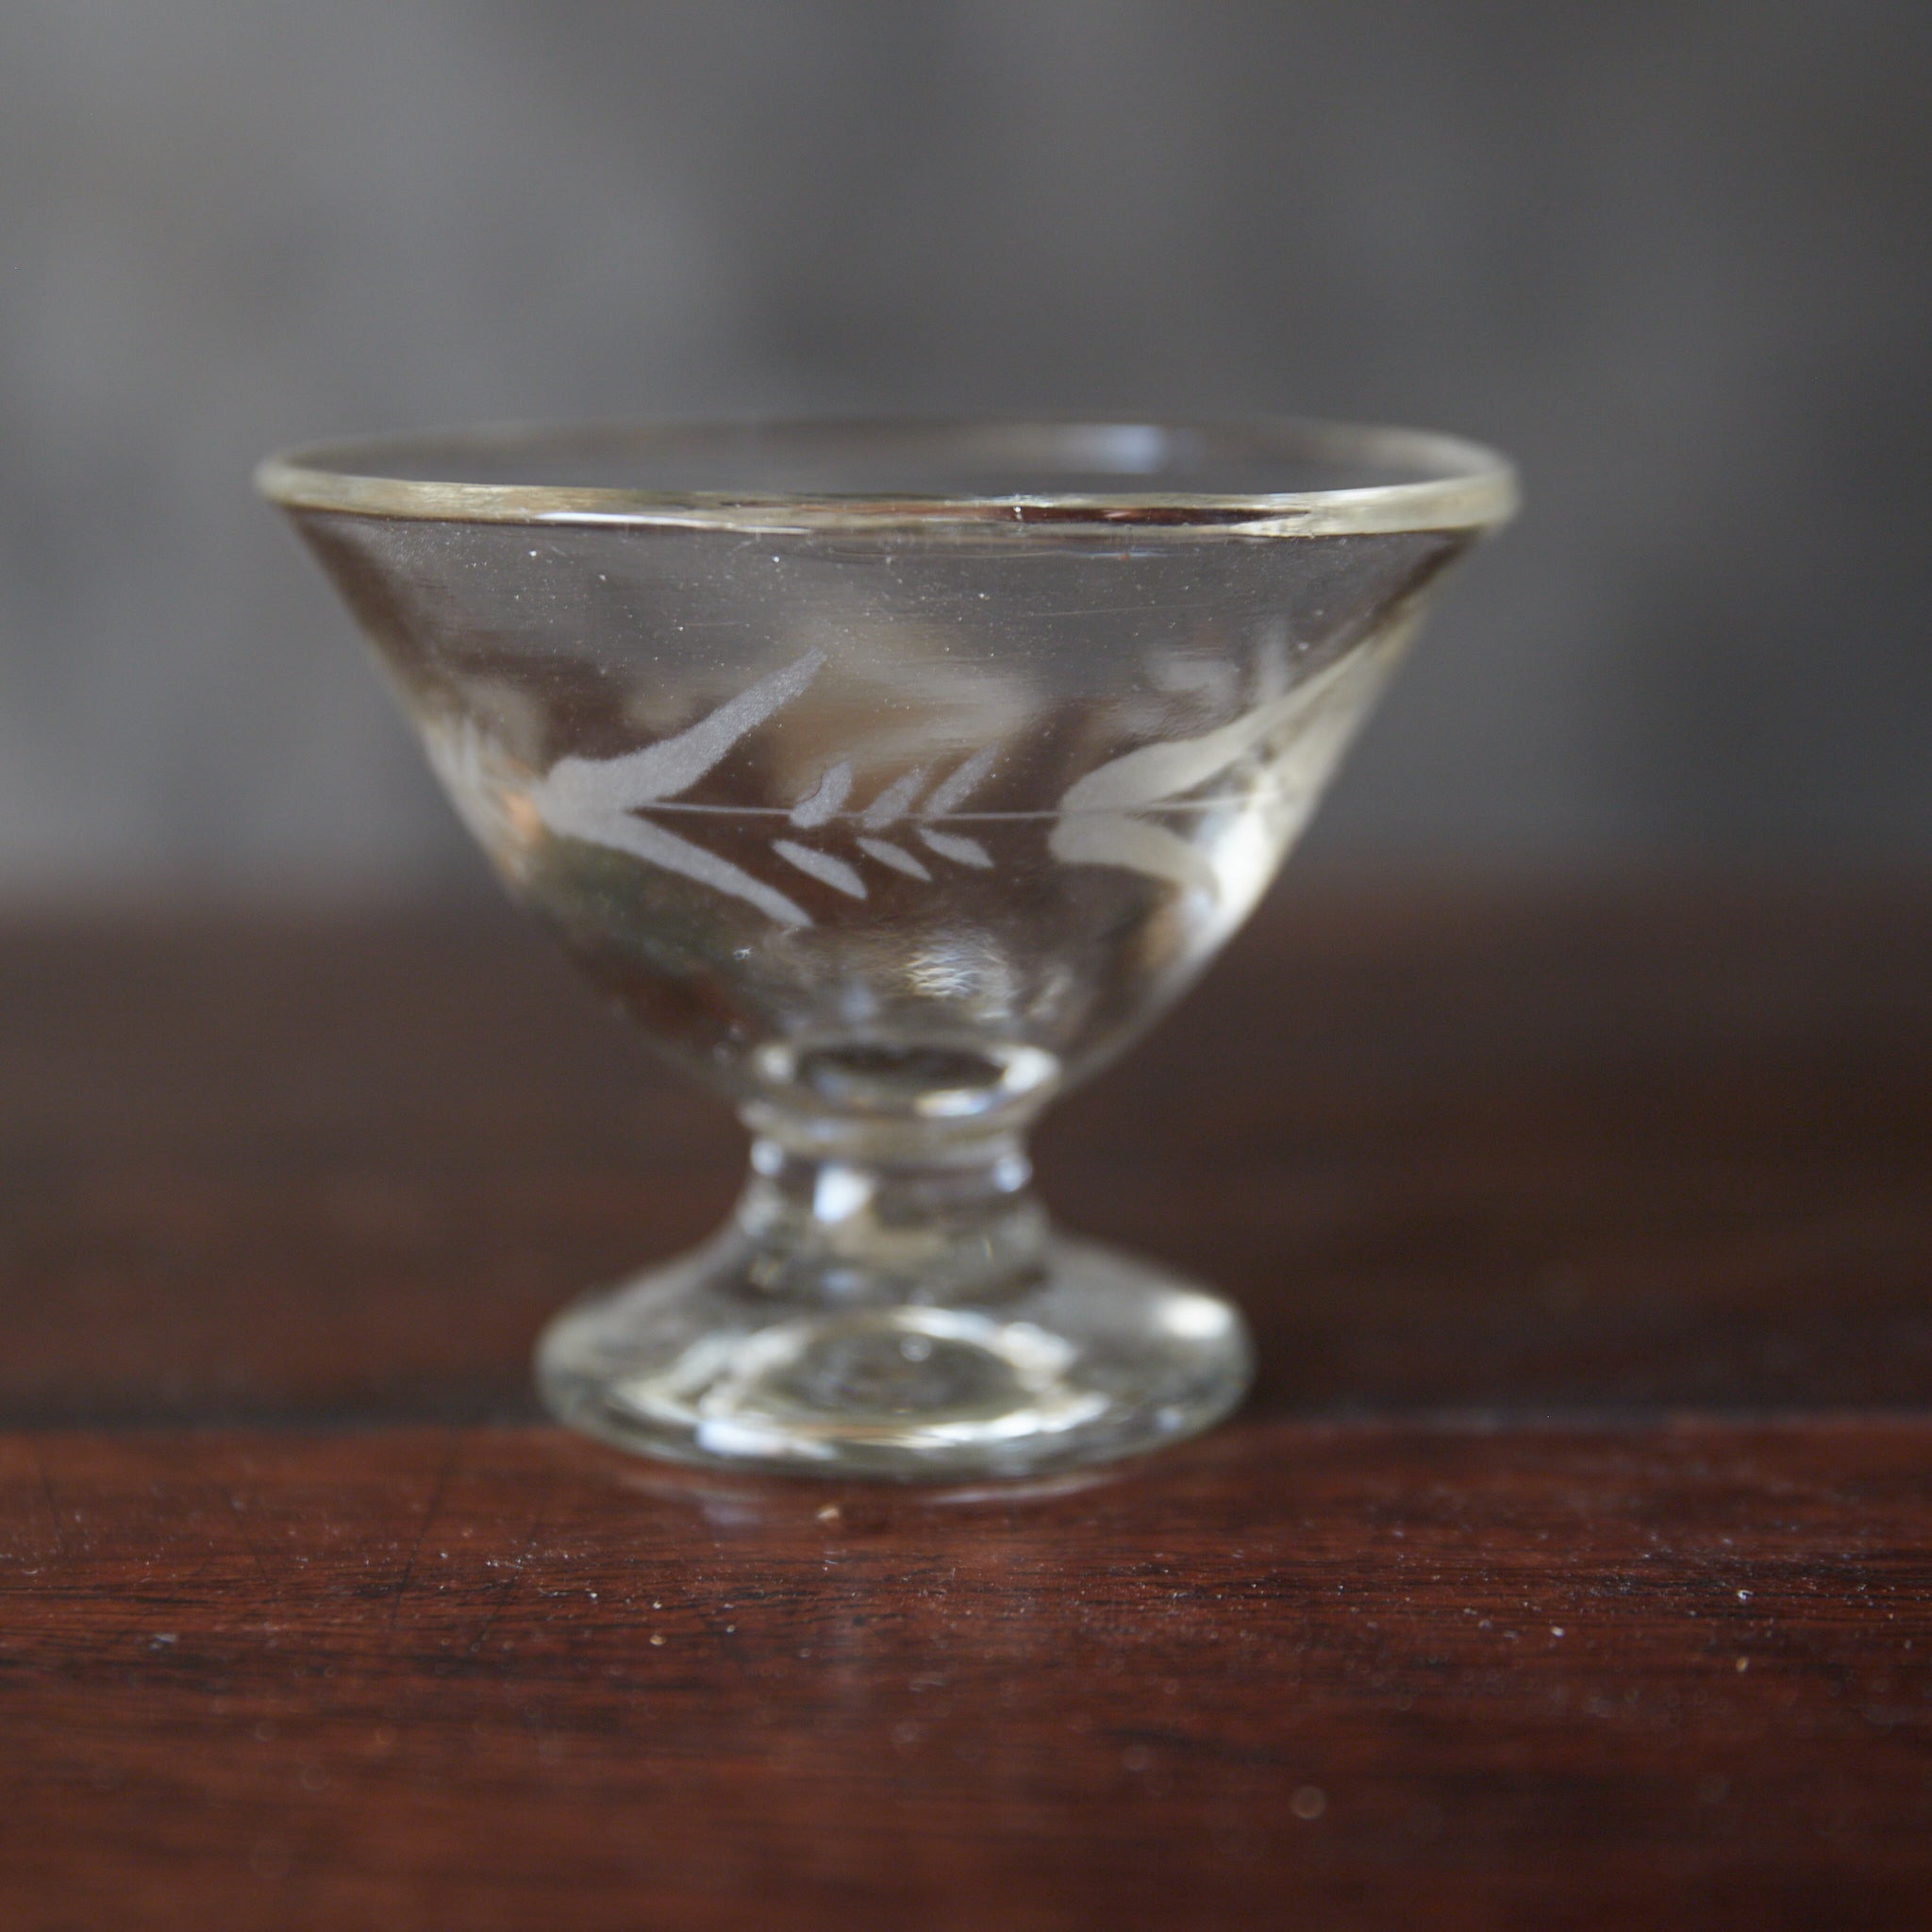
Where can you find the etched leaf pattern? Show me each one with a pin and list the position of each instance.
(598, 800)
(1100, 820)
(601, 802)
(894, 804)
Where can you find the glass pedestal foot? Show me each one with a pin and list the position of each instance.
(1092, 1355)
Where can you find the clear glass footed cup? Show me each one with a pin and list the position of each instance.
(893, 778)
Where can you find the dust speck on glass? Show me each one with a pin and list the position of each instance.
(893, 777)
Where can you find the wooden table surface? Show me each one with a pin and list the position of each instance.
(1571, 1567)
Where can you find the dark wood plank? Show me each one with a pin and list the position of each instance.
(1293, 1674)
(1530, 1151)
(333, 1165)
(1516, 1155)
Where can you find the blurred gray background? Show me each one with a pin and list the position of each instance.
(1674, 255)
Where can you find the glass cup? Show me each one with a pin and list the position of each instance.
(894, 776)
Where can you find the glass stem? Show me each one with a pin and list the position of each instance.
(948, 1218)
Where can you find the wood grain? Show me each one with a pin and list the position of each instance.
(1522, 1151)
(1571, 1569)
(1296, 1674)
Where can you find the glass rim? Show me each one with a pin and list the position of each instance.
(1459, 485)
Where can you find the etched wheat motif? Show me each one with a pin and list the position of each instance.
(600, 801)
(825, 805)
(1102, 817)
